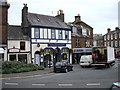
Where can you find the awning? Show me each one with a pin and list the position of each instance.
(1, 50)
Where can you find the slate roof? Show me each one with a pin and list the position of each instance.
(15, 33)
(46, 21)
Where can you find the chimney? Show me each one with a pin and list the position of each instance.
(108, 30)
(77, 18)
(60, 15)
(4, 6)
(24, 14)
(117, 28)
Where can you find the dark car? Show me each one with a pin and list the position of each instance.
(115, 86)
(63, 66)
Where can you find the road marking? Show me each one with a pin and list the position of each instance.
(21, 77)
(93, 84)
(64, 84)
(39, 84)
(11, 83)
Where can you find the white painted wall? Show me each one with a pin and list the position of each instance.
(16, 43)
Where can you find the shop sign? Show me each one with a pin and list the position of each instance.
(56, 44)
(14, 50)
(82, 50)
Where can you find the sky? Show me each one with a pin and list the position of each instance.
(99, 14)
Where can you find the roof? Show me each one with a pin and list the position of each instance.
(46, 21)
(111, 32)
(98, 37)
(15, 33)
(81, 22)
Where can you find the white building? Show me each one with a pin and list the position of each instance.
(50, 37)
(18, 45)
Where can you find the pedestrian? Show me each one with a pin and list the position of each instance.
(93, 57)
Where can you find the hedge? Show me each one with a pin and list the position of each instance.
(17, 67)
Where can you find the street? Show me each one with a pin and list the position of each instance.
(78, 78)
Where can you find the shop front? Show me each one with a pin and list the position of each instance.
(14, 54)
(78, 52)
(65, 54)
(48, 57)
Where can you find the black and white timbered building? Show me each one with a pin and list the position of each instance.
(50, 37)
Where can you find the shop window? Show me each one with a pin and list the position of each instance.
(1, 57)
(12, 57)
(22, 45)
(22, 58)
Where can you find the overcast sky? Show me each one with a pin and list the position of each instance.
(99, 14)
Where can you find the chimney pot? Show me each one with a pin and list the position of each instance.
(108, 30)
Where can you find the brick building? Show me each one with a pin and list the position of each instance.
(112, 38)
(98, 40)
(3, 29)
(82, 38)
(82, 34)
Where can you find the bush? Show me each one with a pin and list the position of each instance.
(16, 67)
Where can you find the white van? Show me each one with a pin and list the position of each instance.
(85, 60)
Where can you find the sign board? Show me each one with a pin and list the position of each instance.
(14, 50)
(56, 44)
(82, 50)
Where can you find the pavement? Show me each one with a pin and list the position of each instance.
(29, 74)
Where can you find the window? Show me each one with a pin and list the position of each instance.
(49, 33)
(53, 34)
(111, 43)
(116, 44)
(105, 44)
(108, 44)
(36, 32)
(41, 33)
(108, 37)
(105, 38)
(111, 36)
(22, 45)
(115, 35)
(66, 34)
(84, 32)
(77, 42)
(119, 35)
(119, 43)
(88, 32)
(74, 29)
(87, 43)
(60, 34)
(45, 33)
(12, 57)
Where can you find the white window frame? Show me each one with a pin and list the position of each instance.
(60, 36)
(41, 33)
(105, 37)
(111, 36)
(116, 43)
(36, 33)
(108, 37)
(111, 43)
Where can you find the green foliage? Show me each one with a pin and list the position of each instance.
(17, 67)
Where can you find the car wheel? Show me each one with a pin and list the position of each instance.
(66, 70)
(71, 69)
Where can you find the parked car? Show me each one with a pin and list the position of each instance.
(115, 86)
(64, 66)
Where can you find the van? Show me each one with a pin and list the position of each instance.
(86, 60)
